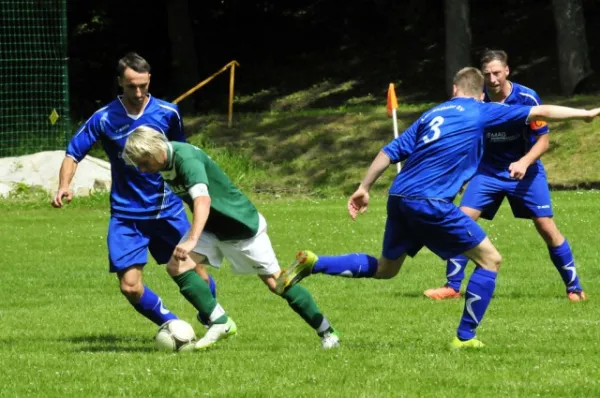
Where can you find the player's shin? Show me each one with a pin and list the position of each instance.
(479, 292)
(355, 265)
(151, 306)
(301, 301)
(562, 258)
(198, 293)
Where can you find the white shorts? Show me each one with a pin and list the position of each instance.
(248, 256)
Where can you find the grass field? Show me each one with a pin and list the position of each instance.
(65, 330)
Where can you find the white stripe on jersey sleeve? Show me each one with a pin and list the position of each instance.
(530, 96)
(171, 109)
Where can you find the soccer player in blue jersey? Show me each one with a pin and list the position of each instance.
(511, 168)
(442, 150)
(145, 214)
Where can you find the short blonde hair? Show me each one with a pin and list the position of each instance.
(469, 81)
(144, 142)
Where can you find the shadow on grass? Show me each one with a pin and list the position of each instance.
(109, 343)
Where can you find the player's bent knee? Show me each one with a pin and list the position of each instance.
(492, 261)
(387, 269)
(177, 267)
(133, 291)
(496, 261)
(271, 281)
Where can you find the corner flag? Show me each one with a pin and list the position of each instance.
(392, 105)
(392, 101)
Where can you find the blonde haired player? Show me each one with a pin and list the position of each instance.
(225, 224)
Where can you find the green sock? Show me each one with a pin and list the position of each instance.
(197, 292)
(303, 304)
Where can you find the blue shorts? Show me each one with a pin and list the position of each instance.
(129, 240)
(438, 225)
(528, 198)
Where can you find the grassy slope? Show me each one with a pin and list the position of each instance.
(328, 150)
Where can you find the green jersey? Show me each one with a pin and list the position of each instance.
(232, 216)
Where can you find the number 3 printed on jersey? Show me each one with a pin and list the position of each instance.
(434, 126)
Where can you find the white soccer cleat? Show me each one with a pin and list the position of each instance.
(217, 332)
(330, 340)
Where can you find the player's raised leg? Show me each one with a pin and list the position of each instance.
(478, 294)
(396, 244)
(256, 256)
(561, 256)
(355, 265)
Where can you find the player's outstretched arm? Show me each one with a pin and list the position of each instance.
(67, 171)
(376, 169)
(556, 112)
(359, 200)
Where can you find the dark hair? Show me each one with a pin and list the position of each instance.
(469, 80)
(133, 61)
(494, 55)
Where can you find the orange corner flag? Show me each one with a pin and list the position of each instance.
(392, 101)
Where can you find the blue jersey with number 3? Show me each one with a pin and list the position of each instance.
(444, 146)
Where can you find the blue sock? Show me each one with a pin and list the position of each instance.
(455, 271)
(356, 265)
(151, 306)
(213, 286)
(562, 257)
(479, 292)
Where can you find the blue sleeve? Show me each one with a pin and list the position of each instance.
(175, 132)
(399, 149)
(84, 139)
(493, 114)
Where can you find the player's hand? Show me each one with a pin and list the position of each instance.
(518, 169)
(592, 114)
(183, 249)
(358, 202)
(58, 198)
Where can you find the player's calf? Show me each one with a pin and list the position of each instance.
(302, 303)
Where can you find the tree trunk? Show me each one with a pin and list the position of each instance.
(573, 61)
(458, 38)
(184, 63)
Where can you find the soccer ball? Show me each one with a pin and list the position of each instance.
(175, 335)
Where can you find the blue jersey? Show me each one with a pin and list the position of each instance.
(444, 146)
(133, 194)
(503, 146)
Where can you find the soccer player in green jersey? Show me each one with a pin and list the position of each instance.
(225, 224)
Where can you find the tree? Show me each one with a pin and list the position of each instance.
(184, 62)
(573, 60)
(458, 38)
